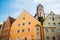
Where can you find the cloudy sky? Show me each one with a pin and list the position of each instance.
(14, 8)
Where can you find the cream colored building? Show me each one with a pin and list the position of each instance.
(51, 27)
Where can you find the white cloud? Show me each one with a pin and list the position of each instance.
(44, 1)
(1, 22)
(49, 1)
(55, 7)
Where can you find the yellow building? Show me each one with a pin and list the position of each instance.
(26, 27)
(51, 26)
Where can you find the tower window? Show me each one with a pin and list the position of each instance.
(40, 13)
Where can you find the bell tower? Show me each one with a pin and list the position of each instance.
(40, 11)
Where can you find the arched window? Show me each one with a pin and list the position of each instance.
(37, 32)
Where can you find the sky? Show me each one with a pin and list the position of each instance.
(14, 8)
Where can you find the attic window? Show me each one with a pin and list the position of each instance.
(23, 24)
(18, 24)
(23, 18)
(29, 23)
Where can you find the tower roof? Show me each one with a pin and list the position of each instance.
(40, 5)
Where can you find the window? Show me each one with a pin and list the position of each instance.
(23, 24)
(18, 24)
(53, 18)
(59, 30)
(29, 38)
(53, 38)
(46, 30)
(52, 30)
(54, 23)
(37, 37)
(18, 31)
(23, 18)
(59, 24)
(49, 17)
(22, 30)
(17, 38)
(58, 37)
(47, 38)
(29, 23)
(23, 38)
(28, 29)
(37, 28)
(40, 13)
(48, 23)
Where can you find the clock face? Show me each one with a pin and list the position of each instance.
(40, 9)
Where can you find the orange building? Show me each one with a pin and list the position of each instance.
(6, 28)
(26, 27)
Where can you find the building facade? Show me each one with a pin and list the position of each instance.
(26, 27)
(6, 28)
(51, 27)
(0, 30)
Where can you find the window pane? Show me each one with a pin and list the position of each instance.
(23, 24)
(23, 18)
(22, 30)
(52, 30)
(37, 28)
(53, 38)
(18, 24)
(28, 29)
(53, 18)
(46, 30)
(29, 23)
(18, 31)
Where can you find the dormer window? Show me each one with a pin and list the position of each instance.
(53, 18)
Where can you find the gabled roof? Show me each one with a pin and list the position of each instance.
(26, 13)
(49, 19)
(40, 5)
(10, 19)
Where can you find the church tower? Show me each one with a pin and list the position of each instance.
(40, 11)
